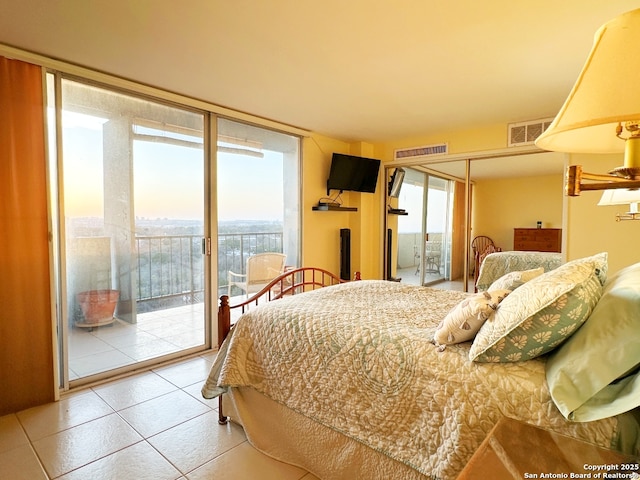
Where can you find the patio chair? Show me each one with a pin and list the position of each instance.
(432, 254)
(261, 269)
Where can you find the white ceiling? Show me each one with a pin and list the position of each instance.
(358, 70)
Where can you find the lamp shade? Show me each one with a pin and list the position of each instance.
(619, 197)
(605, 93)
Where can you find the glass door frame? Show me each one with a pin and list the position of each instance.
(56, 176)
(440, 260)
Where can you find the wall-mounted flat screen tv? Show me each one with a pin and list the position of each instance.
(349, 172)
(395, 184)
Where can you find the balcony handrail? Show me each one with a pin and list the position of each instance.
(173, 266)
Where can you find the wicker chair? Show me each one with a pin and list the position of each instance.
(478, 246)
(484, 248)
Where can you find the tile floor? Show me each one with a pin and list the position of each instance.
(155, 334)
(409, 276)
(153, 425)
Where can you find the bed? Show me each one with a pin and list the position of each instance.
(497, 264)
(349, 381)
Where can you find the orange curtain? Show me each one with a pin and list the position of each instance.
(457, 241)
(26, 351)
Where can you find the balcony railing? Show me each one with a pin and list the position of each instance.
(170, 268)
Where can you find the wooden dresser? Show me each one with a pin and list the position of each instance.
(537, 239)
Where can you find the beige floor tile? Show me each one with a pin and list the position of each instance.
(161, 413)
(70, 411)
(139, 462)
(132, 337)
(150, 349)
(99, 362)
(246, 463)
(82, 343)
(73, 448)
(119, 328)
(164, 327)
(130, 391)
(195, 442)
(192, 338)
(187, 372)
(195, 391)
(11, 433)
(21, 463)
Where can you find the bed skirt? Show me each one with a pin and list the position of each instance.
(290, 437)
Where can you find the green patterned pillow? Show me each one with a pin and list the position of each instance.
(540, 315)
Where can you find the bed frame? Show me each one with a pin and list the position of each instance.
(290, 282)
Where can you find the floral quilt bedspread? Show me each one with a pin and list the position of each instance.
(358, 358)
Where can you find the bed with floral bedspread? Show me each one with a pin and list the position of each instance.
(359, 359)
(497, 264)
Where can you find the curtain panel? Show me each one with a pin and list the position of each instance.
(26, 347)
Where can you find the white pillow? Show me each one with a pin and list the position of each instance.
(513, 280)
(463, 322)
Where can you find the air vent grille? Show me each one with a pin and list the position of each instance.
(424, 151)
(525, 133)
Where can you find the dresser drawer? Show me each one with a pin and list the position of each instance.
(537, 239)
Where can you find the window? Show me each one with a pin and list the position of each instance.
(258, 196)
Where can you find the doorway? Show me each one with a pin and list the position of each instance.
(132, 219)
(424, 234)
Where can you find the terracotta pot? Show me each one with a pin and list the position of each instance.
(98, 305)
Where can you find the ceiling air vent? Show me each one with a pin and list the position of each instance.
(415, 152)
(525, 133)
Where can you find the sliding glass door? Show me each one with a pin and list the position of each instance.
(424, 233)
(132, 223)
(258, 183)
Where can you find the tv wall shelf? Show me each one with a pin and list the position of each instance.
(333, 208)
(397, 211)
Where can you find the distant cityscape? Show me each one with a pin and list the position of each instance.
(170, 266)
(94, 226)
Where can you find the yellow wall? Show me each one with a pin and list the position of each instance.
(321, 229)
(507, 203)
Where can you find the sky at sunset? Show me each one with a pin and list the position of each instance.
(168, 179)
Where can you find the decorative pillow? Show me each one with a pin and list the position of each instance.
(513, 280)
(594, 374)
(463, 322)
(541, 314)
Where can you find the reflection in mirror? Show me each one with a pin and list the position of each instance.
(515, 192)
(427, 241)
(506, 193)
